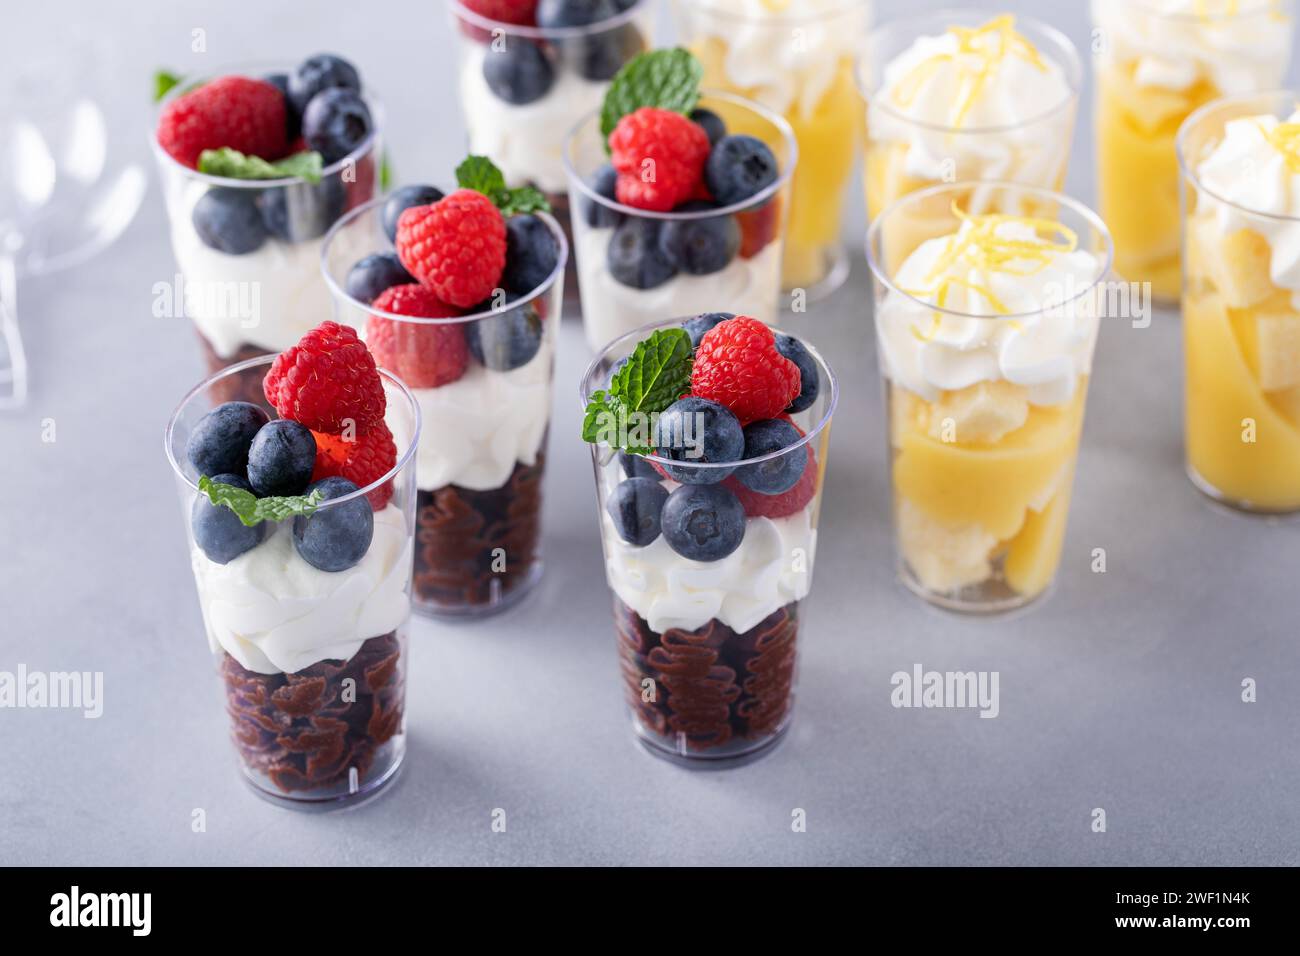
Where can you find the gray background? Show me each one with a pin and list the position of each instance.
(1121, 691)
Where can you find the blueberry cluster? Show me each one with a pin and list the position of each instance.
(239, 444)
(520, 70)
(323, 106)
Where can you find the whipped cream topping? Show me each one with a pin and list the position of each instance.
(771, 568)
(980, 272)
(273, 612)
(1240, 46)
(610, 308)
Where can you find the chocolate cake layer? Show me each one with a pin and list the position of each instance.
(244, 387)
(307, 730)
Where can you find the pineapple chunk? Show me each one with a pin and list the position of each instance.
(1237, 264)
(1288, 404)
(984, 412)
(944, 558)
(1279, 350)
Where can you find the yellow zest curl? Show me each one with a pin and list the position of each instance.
(1285, 138)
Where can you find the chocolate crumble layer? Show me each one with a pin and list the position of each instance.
(244, 387)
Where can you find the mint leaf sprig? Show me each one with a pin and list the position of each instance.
(163, 82)
(482, 175)
(253, 510)
(667, 79)
(656, 374)
(233, 164)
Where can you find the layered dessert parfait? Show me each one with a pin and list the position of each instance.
(300, 515)
(1241, 300)
(1159, 61)
(709, 438)
(795, 59)
(672, 209)
(953, 97)
(256, 166)
(459, 293)
(986, 333)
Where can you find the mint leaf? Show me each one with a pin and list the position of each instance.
(482, 175)
(385, 173)
(667, 79)
(163, 81)
(254, 510)
(656, 374)
(235, 165)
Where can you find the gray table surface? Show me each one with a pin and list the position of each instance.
(1120, 691)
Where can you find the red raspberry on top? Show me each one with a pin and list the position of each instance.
(327, 381)
(738, 365)
(506, 11)
(235, 111)
(423, 356)
(660, 158)
(364, 460)
(456, 246)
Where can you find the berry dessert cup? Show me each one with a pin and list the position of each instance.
(1158, 63)
(1240, 157)
(672, 214)
(482, 375)
(256, 165)
(986, 329)
(796, 60)
(708, 511)
(300, 531)
(951, 97)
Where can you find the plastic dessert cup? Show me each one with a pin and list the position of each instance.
(985, 403)
(312, 663)
(1159, 63)
(922, 132)
(482, 450)
(707, 649)
(1241, 302)
(797, 60)
(750, 282)
(260, 302)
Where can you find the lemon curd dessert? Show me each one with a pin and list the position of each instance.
(794, 57)
(1160, 60)
(1241, 300)
(952, 98)
(986, 335)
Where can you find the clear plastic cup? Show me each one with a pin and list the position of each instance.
(643, 290)
(797, 62)
(904, 154)
(312, 663)
(482, 451)
(263, 300)
(984, 412)
(1241, 329)
(707, 649)
(1155, 67)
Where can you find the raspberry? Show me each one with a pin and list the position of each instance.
(234, 111)
(758, 227)
(758, 505)
(523, 12)
(424, 356)
(327, 381)
(362, 461)
(660, 158)
(457, 246)
(738, 365)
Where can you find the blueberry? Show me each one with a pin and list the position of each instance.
(320, 72)
(218, 530)
(809, 377)
(776, 475)
(302, 211)
(532, 253)
(699, 326)
(506, 341)
(696, 431)
(711, 122)
(634, 466)
(335, 123)
(403, 199)
(292, 118)
(603, 183)
(635, 506)
(373, 274)
(227, 220)
(281, 458)
(700, 246)
(335, 539)
(703, 522)
(517, 71)
(739, 167)
(602, 54)
(573, 13)
(633, 256)
(219, 443)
